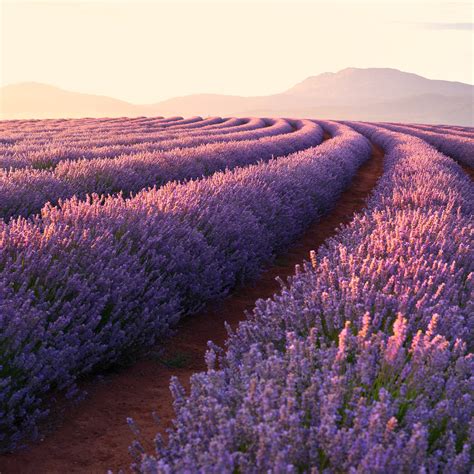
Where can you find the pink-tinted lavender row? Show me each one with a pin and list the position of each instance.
(458, 128)
(230, 125)
(23, 128)
(48, 153)
(100, 130)
(93, 280)
(25, 191)
(441, 129)
(362, 364)
(13, 133)
(97, 132)
(455, 146)
(102, 138)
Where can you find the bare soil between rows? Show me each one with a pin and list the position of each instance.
(92, 436)
(468, 170)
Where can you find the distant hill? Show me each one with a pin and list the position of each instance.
(353, 85)
(34, 100)
(374, 94)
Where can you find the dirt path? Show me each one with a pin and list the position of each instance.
(93, 435)
(468, 170)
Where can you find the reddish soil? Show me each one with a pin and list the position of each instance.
(93, 436)
(468, 170)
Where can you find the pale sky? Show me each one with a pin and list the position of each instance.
(146, 51)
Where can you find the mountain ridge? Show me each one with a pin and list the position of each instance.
(372, 94)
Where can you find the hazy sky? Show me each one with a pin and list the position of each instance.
(145, 51)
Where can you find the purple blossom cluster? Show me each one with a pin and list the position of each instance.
(455, 145)
(364, 362)
(90, 281)
(25, 191)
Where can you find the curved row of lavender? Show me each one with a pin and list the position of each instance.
(83, 129)
(103, 134)
(458, 128)
(362, 364)
(16, 131)
(23, 148)
(25, 191)
(97, 140)
(91, 281)
(443, 130)
(13, 129)
(47, 154)
(83, 132)
(47, 151)
(458, 147)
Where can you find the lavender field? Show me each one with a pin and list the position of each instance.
(114, 230)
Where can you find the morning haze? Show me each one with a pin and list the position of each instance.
(148, 52)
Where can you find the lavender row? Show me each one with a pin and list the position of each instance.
(49, 156)
(455, 146)
(21, 128)
(51, 143)
(442, 130)
(224, 125)
(103, 136)
(17, 139)
(83, 128)
(93, 280)
(362, 364)
(49, 153)
(11, 133)
(80, 133)
(458, 128)
(25, 191)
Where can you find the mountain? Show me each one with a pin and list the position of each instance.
(373, 94)
(34, 100)
(419, 109)
(353, 85)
